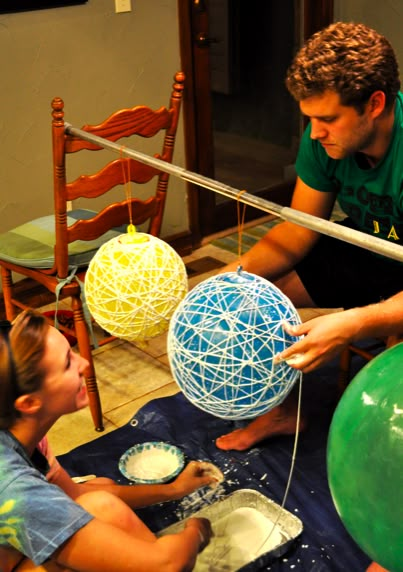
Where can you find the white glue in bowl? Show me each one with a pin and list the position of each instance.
(152, 462)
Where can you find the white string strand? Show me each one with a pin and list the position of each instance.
(221, 343)
(221, 552)
(294, 455)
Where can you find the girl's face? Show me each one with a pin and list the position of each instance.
(63, 390)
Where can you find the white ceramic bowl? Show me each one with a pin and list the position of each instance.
(152, 462)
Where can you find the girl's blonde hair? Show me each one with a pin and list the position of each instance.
(22, 348)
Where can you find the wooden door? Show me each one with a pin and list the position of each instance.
(241, 126)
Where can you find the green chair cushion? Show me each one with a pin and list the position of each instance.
(32, 244)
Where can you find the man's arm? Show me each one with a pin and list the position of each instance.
(326, 336)
(287, 243)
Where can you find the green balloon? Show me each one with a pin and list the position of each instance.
(365, 459)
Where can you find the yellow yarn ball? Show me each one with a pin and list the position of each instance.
(134, 284)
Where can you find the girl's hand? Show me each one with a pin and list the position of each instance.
(204, 529)
(195, 475)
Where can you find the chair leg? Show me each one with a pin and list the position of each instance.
(365, 353)
(393, 340)
(7, 285)
(84, 347)
(344, 370)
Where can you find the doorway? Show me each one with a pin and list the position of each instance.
(241, 126)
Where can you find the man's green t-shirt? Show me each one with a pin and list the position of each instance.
(372, 198)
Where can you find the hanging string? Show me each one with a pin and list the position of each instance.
(127, 187)
(241, 221)
(221, 552)
(291, 472)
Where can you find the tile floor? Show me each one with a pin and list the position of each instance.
(129, 375)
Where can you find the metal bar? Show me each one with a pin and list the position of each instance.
(372, 243)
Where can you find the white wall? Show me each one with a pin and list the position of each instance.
(97, 61)
(385, 16)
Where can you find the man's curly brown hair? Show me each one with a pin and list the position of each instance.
(350, 59)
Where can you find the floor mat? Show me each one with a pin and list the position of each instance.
(252, 234)
(248, 237)
(324, 545)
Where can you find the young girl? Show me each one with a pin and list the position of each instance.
(47, 521)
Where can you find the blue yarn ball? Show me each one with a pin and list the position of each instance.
(221, 342)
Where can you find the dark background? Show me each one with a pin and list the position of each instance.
(26, 5)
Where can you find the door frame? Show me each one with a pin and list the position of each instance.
(197, 113)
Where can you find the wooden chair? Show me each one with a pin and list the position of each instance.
(55, 250)
(366, 352)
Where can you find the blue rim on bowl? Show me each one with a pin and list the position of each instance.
(151, 462)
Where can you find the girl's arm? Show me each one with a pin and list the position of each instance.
(191, 478)
(100, 547)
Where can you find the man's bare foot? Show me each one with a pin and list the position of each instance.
(278, 421)
(374, 567)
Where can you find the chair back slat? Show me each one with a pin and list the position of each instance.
(139, 121)
(114, 215)
(117, 172)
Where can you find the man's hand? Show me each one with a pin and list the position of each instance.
(324, 338)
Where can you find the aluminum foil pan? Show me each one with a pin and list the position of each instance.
(238, 550)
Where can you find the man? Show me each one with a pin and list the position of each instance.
(346, 82)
